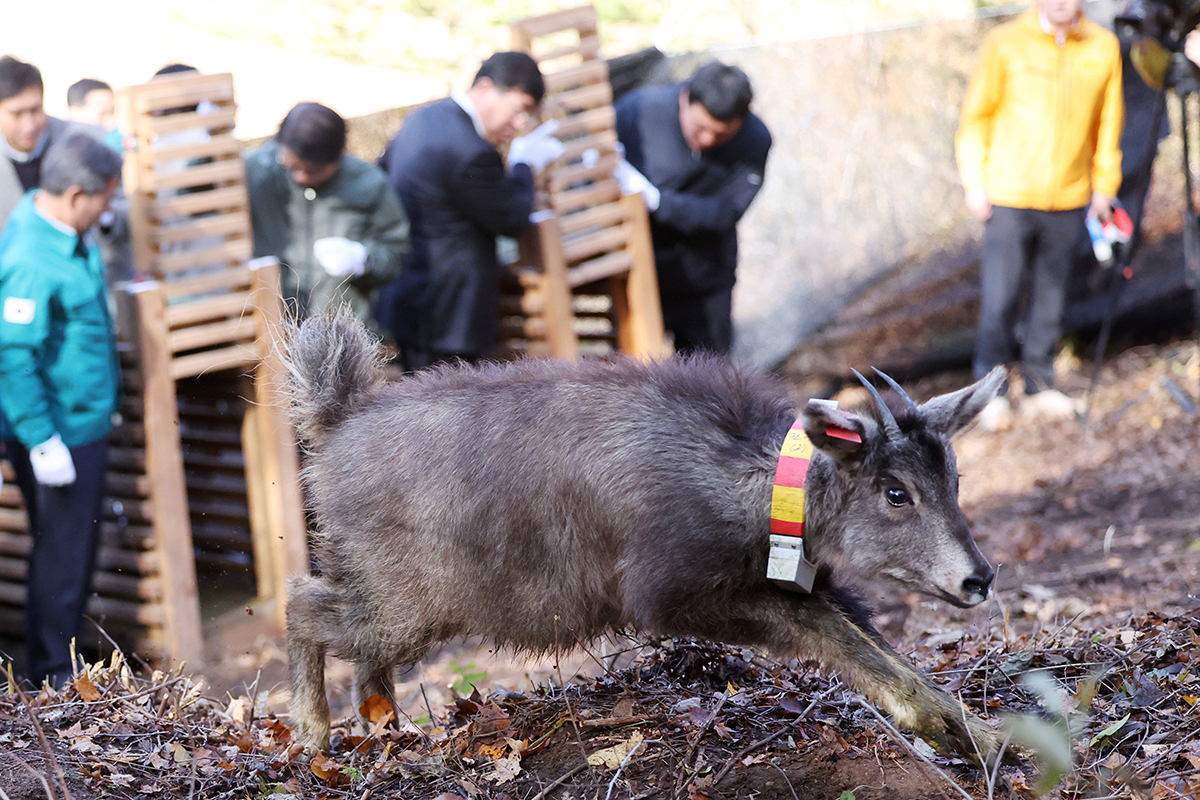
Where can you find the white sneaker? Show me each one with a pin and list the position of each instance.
(996, 415)
(1050, 404)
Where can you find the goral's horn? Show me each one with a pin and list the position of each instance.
(908, 401)
(889, 421)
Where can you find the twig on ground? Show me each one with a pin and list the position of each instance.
(39, 776)
(45, 745)
(616, 776)
(745, 751)
(559, 782)
(901, 738)
(683, 773)
(122, 698)
(785, 778)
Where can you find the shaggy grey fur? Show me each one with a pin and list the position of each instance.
(541, 502)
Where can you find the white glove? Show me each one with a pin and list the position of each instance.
(51, 462)
(340, 257)
(634, 182)
(538, 148)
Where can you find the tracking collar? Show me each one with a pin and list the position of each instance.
(787, 566)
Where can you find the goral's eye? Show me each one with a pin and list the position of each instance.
(897, 496)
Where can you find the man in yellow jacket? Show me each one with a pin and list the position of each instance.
(1038, 148)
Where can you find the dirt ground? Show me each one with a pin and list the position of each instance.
(1096, 536)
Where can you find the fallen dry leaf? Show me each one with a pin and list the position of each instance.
(377, 710)
(87, 690)
(324, 767)
(611, 757)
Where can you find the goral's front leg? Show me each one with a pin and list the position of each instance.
(831, 635)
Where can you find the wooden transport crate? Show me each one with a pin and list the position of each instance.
(203, 467)
(585, 278)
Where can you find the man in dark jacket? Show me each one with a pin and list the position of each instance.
(331, 219)
(697, 154)
(451, 180)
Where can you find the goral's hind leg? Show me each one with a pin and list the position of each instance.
(313, 625)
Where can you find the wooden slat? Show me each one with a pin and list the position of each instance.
(172, 538)
(555, 21)
(210, 308)
(224, 281)
(594, 243)
(598, 268)
(602, 170)
(144, 562)
(604, 142)
(588, 48)
(592, 121)
(190, 89)
(127, 586)
(237, 222)
(13, 519)
(15, 544)
(594, 217)
(588, 72)
(220, 199)
(232, 330)
(576, 100)
(274, 460)
(237, 357)
(229, 250)
(127, 611)
(231, 169)
(637, 306)
(220, 119)
(216, 146)
(572, 200)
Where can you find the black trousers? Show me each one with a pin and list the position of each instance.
(64, 522)
(1023, 246)
(700, 321)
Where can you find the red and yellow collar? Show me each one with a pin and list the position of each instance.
(787, 498)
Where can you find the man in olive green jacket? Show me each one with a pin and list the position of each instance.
(59, 386)
(330, 218)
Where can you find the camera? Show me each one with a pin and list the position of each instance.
(1167, 22)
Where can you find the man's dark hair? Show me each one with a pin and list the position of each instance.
(514, 71)
(79, 160)
(313, 132)
(77, 94)
(16, 76)
(724, 91)
(171, 69)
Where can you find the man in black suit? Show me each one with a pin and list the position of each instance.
(452, 182)
(697, 154)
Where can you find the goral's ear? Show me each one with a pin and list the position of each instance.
(950, 413)
(841, 435)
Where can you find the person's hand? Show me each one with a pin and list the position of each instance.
(340, 257)
(634, 182)
(51, 462)
(979, 204)
(1191, 47)
(1101, 207)
(538, 148)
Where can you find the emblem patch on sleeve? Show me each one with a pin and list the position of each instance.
(19, 310)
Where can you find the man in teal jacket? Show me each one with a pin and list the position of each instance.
(59, 386)
(330, 218)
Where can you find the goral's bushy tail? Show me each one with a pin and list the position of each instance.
(334, 365)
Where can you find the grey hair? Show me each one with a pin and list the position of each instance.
(79, 160)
